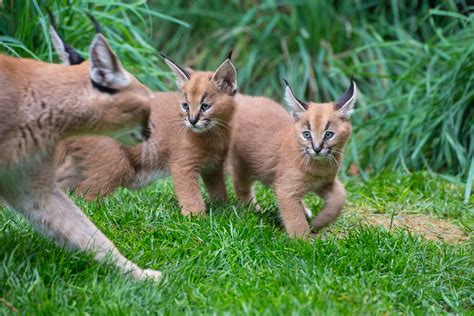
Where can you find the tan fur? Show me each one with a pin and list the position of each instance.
(101, 165)
(267, 146)
(40, 105)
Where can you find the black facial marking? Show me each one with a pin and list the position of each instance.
(204, 96)
(43, 105)
(104, 89)
(327, 126)
(146, 132)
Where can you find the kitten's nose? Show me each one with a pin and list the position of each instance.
(318, 149)
(193, 120)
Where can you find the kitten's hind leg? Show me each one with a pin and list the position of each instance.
(243, 186)
(215, 184)
(334, 199)
(54, 214)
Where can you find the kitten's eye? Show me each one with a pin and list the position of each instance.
(185, 106)
(205, 106)
(328, 135)
(307, 135)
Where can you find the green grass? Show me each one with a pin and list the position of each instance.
(235, 261)
(416, 76)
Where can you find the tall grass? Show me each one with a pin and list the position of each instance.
(412, 60)
(24, 30)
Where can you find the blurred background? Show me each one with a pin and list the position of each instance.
(413, 62)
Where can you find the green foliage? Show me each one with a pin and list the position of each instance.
(413, 64)
(412, 60)
(235, 261)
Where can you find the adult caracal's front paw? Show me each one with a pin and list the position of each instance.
(147, 274)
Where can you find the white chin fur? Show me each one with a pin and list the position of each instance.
(200, 128)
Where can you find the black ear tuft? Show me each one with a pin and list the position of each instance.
(229, 56)
(94, 22)
(348, 95)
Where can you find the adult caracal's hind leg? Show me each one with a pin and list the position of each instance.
(54, 214)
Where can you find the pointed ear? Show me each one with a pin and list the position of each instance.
(106, 70)
(297, 106)
(180, 73)
(345, 105)
(59, 46)
(225, 77)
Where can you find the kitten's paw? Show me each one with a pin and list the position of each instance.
(308, 212)
(187, 212)
(147, 274)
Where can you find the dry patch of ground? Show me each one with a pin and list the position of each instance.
(420, 224)
(424, 225)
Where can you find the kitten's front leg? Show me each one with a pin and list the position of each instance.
(215, 184)
(334, 197)
(54, 214)
(292, 213)
(186, 186)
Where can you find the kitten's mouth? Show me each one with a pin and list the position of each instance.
(199, 127)
(313, 154)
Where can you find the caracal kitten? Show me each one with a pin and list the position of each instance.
(40, 105)
(190, 139)
(293, 155)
